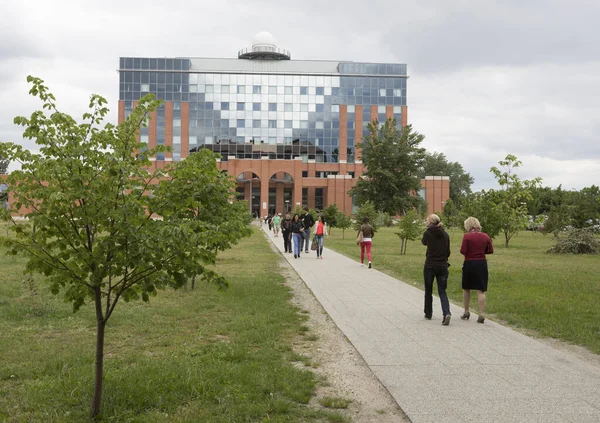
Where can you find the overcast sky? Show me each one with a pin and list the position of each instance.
(487, 78)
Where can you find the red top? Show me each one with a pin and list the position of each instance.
(475, 245)
(319, 228)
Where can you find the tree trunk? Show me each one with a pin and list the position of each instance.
(100, 326)
(193, 282)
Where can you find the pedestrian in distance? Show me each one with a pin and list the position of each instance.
(286, 232)
(319, 233)
(270, 222)
(367, 241)
(297, 235)
(307, 221)
(437, 241)
(475, 245)
(276, 224)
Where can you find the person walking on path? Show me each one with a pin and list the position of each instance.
(475, 245)
(368, 234)
(286, 232)
(276, 223)
(307, 221)
(297, 233)
(320, 232)
(436, 266)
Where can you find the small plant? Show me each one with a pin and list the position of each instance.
(577, 241)
(335, 402)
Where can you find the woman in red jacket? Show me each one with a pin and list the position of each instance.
(475, 245)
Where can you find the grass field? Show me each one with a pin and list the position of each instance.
(557, 296)
(188, 356)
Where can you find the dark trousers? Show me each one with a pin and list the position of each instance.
(287, 240)
(306, 240)
(440, 273)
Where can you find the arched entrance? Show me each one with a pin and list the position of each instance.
(248, 187)
(281, 193)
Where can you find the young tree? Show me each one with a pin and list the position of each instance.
(511, 201)
(343, 221)
(410, 228)
(436, 164)
(92, 205)
(393, 160)
(366, 210)
(482, 206)
(331, 214)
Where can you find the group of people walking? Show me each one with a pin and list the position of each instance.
(296, 233)
(475, 245)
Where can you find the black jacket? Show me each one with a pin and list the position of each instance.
(297, 227)
(438, 246)
(286, 225)
(307, 220)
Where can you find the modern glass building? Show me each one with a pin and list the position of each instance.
(286, 129)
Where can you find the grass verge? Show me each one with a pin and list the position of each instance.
(187, 356)
(554, 295)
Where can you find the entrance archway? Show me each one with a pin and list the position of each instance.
(248, 187)
(281, 193)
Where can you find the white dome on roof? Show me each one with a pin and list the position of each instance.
(264, 39)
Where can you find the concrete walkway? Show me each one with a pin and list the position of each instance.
(465, 372)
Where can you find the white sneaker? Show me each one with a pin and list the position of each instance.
(362, 265)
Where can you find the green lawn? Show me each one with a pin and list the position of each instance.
(188, 356)
(556, 295)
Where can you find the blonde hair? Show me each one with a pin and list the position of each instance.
(472, 223)
(434, 219)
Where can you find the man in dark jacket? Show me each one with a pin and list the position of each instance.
(286, 231)
(436, 266)
(307, 221)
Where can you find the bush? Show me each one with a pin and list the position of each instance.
(383, 220)
(577, 241)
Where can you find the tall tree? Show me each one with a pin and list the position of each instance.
(436, 164)
(393, 160)
(103, 228)
(511, 200)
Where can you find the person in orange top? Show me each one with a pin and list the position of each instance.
(475, 245)
(320, 232)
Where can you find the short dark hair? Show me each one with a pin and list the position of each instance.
(305, 209)
(365, 219)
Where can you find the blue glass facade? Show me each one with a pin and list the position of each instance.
(288, 114)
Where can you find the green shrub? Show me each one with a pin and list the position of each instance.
(384, 220)
(577, 241)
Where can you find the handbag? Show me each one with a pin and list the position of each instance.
(359, 238)
(313, 245)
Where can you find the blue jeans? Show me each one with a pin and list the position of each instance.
(297, 243)
(306, 240)
(441, 274)
(319, 239)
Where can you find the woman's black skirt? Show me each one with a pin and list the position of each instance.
(475, 275)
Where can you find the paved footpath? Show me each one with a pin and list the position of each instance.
(464, 372)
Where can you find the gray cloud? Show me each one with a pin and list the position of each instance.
(487, 78)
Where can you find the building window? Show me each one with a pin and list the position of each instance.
(256, 123)
(304, 107)
(272, 89)
(210, 88)
(335, 108)
(241, 89)
(256, 107)
(225, 89)
(318, 125)
(176, 122)
(287, 124)
(335, 91)
(320, 107)
(272, 107)
(241, 123)
(241, 106)
(145, 88)
(272, 124)
(305, 196)
(351, 108)
(289, 90)
(320, 91)
(303, 124)
(305, 173)
(319, 198)
(397, 93)
(256, 89)
(382, 92)
(224, 105)
(288, 107)
(303, 90)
